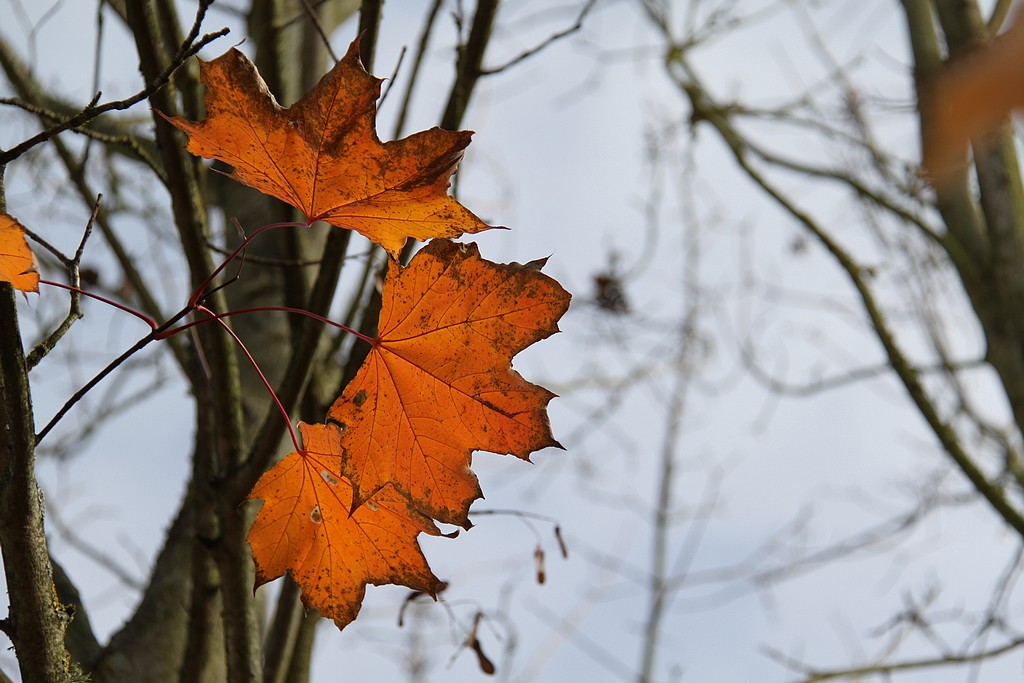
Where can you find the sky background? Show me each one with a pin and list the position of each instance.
(584, 151)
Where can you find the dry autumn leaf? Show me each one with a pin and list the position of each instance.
(438, 382)
(323, 157)
(17, 264)
(304, 528)
(974, 97)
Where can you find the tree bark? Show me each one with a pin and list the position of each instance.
(36, 621)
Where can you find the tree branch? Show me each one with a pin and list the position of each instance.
(705, 110)
(93, 109)
(36, 621)
(882, 669)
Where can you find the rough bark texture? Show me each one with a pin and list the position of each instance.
(36, 620)
(151, 646)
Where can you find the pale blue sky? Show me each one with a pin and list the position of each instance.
(559, 157)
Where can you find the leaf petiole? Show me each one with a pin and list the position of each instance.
(193, 300)
(260, 309)
(110, 302)
(255, 365)
(167, 329)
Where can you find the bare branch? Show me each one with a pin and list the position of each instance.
(314, 18)
(812, 675)
(97, 555)
(844, 379)
(704, 109)
(547, 42)
(190, 47)
(75, 310)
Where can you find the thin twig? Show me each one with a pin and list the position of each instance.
(391, 81)
(113, 365)
(314, 18)
(42, 241)
(94, 553)
(998, 18)
(75, 309)
(553, 38)
(108, 406)
(265, 261)
(814, 676)
(77, 259)
(844, 379)
(421, 50)
(706, 110)
(201, 290)
(287, 22)
(92, 110)
(132, 142)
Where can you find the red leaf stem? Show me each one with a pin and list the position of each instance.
(255, 365)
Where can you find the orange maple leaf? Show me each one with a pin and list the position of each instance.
(304, 527)
(17, 264)
(322, 154)
(972, 98)
(438, 382)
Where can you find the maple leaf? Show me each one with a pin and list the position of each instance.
(304, 528)
(17, 264)
(973, 98)
(322, 154)
(438, 384)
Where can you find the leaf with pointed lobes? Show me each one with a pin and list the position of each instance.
(304, 527)
(17, 264)
(322, 155)
(438, 382)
